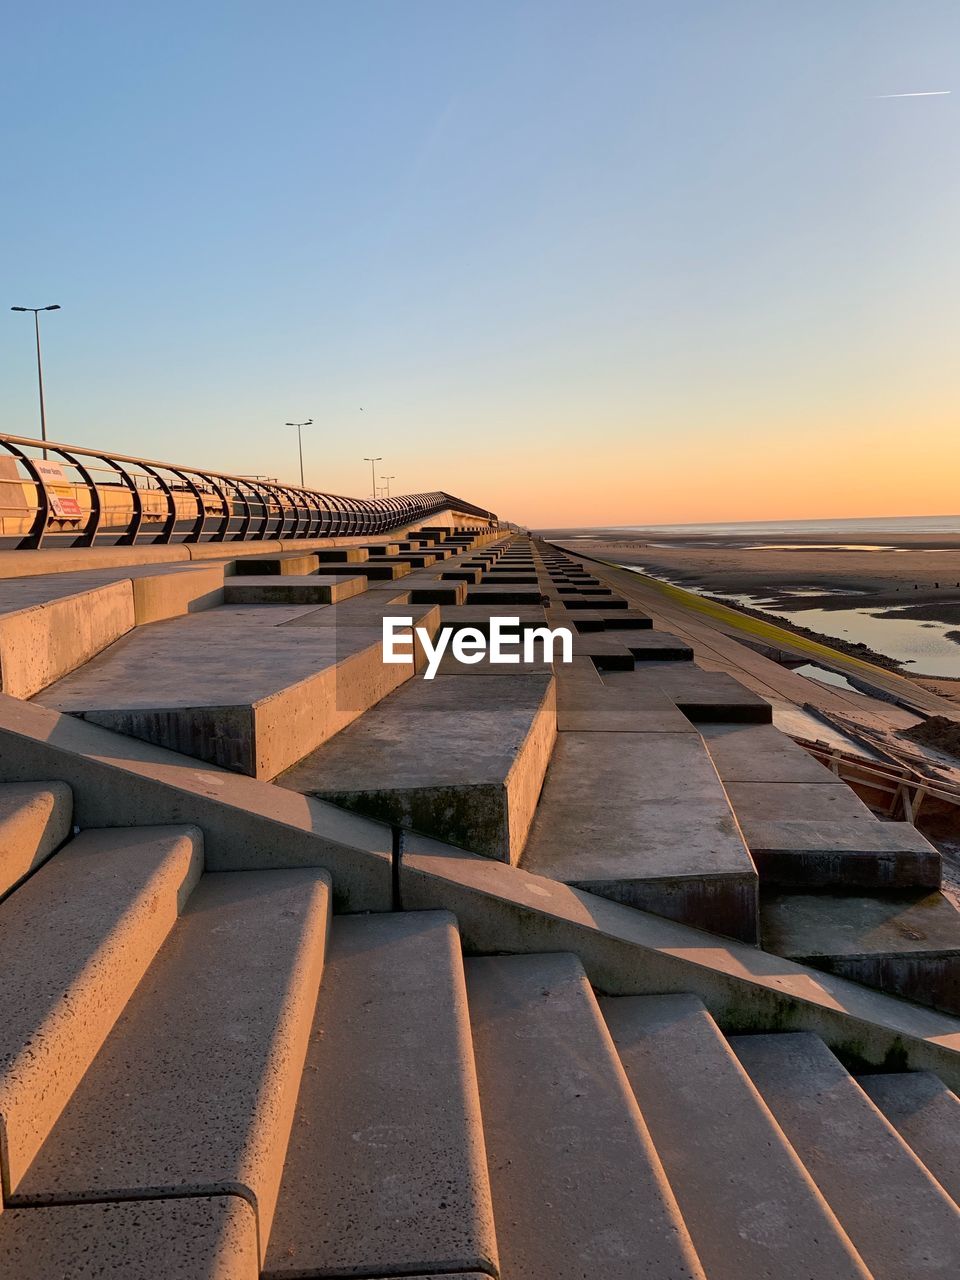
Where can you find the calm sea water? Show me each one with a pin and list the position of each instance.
(776, 528)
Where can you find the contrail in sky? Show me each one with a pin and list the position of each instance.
(927, 93)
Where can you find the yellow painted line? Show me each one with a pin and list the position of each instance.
(753, 626)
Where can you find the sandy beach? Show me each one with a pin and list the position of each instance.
(879, 594)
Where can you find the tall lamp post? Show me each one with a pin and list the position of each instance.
(36, 324)
(373, 475)
(299, 426)
(388, 479)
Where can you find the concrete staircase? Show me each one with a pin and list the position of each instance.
(246, 1031)
(206, 1076)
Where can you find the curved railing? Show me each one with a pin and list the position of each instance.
(65, 495)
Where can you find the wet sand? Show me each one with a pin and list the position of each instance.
(912, 571)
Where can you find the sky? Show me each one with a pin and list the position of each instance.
(580, 263)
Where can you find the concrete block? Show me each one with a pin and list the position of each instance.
(75, 939)
(822, 854)
(750, 1206)
(761, 753)
(197, 1238)
(482, 798)
(906, 944)
(254, 697)
(41, 642)
(346, 555)
(650, 646)
(35, 819)
(194, 1091)
(169, 591)
(297, 565)
(703, 696)
(551, 1085)
(386, 1169)
(926, 1114)
(319, 588)
(440, 593)
(901, 1222)
(495, 593)
(642, 818)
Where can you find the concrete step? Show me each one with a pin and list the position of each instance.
(35, 819)
(926, 1114)
(386, 1170)
(196, 1238)
(296, 564)
(643, 819)
(651, 646)
(578, 1188)
(750, 1206)
(75, 939)
(831, 853)
(900, 1220)
(460, 757)
(761, 753)
(193, 1092)
(620, 620)
(905, 943)
(317, 588)
(498, 593)
(257, 693)
(347, 555)
(705, 697)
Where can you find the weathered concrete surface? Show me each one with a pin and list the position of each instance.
(40, 643)
(750, 1206)
(578, 1188)
(35, 818)
(247, 825)
(75, 939)
(440, 593)
(926, 1114)
(628, 952)
(318, 588)
(588, 706)
(703, 696)
(650, 646)
(196, 1238)
(461, 758)
(906, 944)
(486, 593)
(226, 1006)
(832, 802)
(899, 1219)
(822, 853)
(289, 563)
(761, 753)
(386, 1169)
(348, 555)
(254, 696)
(642, 818)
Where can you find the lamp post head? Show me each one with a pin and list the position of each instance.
(19, 308)
(55, 307)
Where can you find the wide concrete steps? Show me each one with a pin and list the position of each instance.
(926, 1114)
(75, 940)
(243, 687)
(386, 1172)
(641, 817)
(194, 1089)
(35, 819)
(906, 943)
(804, 827)
(899, 1218)
(460, 757)
(578, 1187)
(752, 1209)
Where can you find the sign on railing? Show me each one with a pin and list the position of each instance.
(66, 495)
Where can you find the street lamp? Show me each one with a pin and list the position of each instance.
(36, 324)
(298, 425)
(373, 475)
(388, 479)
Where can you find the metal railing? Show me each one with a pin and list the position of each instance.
(66, 495)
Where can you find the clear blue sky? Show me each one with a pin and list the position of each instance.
(633, 241)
